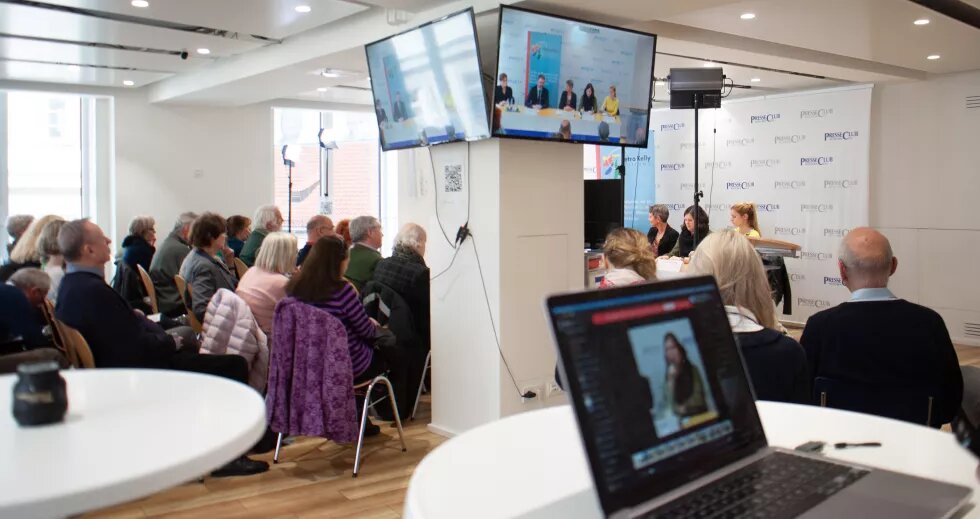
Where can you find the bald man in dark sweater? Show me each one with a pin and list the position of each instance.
(880, 342)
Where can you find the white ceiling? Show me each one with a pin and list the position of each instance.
(790, 45)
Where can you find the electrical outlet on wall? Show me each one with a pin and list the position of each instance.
(551, 389)
(538, 391)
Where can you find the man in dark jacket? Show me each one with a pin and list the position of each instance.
(406, 273)
(318, 227)
(166, 264)
(120, 337)
(879, 341)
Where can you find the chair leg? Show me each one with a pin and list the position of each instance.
(394, 409)
(275, 457)
(360, 435)
(418, 396)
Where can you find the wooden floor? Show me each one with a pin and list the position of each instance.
(313, 479)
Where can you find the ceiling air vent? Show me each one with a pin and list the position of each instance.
(971, 329)
(973, 101)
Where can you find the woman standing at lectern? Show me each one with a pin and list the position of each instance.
(745, 219)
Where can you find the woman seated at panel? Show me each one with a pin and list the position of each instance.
(373, 349)
(745, 219)
(627, 258)
(662, 237)
(776, 363)
(202, 269)
(685, 242)
(588, 102)
(610, 105)
(683, 385)
(264, 284)
(567, 101)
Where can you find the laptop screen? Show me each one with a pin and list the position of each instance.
(657, 383)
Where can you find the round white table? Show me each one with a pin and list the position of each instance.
(128, 433)
(533, 465)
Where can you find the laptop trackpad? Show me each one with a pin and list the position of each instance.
(896, 496)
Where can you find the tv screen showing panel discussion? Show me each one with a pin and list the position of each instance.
(567, 80)
(427, 86)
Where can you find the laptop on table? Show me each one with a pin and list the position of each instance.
(670, 426)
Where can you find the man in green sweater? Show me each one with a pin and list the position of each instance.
(268, 218)
(365, 232)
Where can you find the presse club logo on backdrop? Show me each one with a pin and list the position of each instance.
(839, 184)
(671, 127)
(840, 136)
(812, 303)
(763, 118)
(832, 281)
(764, 163)
(789, 184)
(816, 161)
(816, 208)
(739, 185)
(816, 114)
(716, 207)
(816, 256)
(797, 277)
(789, 139)
(744, 141)
(689, 186)
(835, 232)
(690, 145)
(767, 208)
(718, 164)
(672, 166)
(676, 206)
(789, 231)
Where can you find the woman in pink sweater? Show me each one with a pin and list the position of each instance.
(265, 283)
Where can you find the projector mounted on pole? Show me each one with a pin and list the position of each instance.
(695, 88)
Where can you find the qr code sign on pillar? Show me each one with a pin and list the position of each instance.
(454, 178)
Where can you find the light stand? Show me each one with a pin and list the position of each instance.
(325, 147)
(289, 163)
(695, 88)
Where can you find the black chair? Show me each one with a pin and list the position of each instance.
(909, 404)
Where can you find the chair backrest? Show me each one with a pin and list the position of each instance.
(151, 291)
(910, 404)
(47, 309)
(240, 268)
(186, 296)
(67, 339)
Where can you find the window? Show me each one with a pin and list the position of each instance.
(352, 171)
(44, 154)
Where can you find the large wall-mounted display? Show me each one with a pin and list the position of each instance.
(568, 80)
(427, 86)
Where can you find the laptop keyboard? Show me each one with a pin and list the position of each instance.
(779, 485)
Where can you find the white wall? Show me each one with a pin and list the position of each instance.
(171, 159)
(526, 209)
(925, 184)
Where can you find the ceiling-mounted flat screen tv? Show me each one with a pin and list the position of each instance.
(562, 79)
(427, 86)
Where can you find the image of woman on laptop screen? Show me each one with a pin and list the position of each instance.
(683, 387)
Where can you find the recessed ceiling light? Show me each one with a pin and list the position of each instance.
(73, 67)
(139, 3)
(203, 51)
(303, 9)
(747, 16)
(922, 21)
(755, 80)
(329, 73)
(321, 89)
(128, 83)
(710, 64)
(933, 56)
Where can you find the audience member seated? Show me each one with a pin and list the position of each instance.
(230, 327)
(775, 362)
(120, 337)
(685, 242)
(318, 227)
(21, 320)
(342, 229)
(25, 253)
(745, 219)
(239, 228)
(662, 237)
(268, 218)
(876, 340)
(166, 264)
(140, 245)
(264, 285)
(373, 350)
(202, 270)
(16, 225)
(366, 233)
(627, 258)
(51, 258)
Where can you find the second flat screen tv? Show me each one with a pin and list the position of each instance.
(427, 86)
(567, 80)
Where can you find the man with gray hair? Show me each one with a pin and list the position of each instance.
(16, 225)
(21, 339)
(166, 264)
(365, 232)
(268, 218)
(318, 227)
(879, 344)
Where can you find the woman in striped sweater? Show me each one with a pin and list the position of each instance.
(373, 350)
